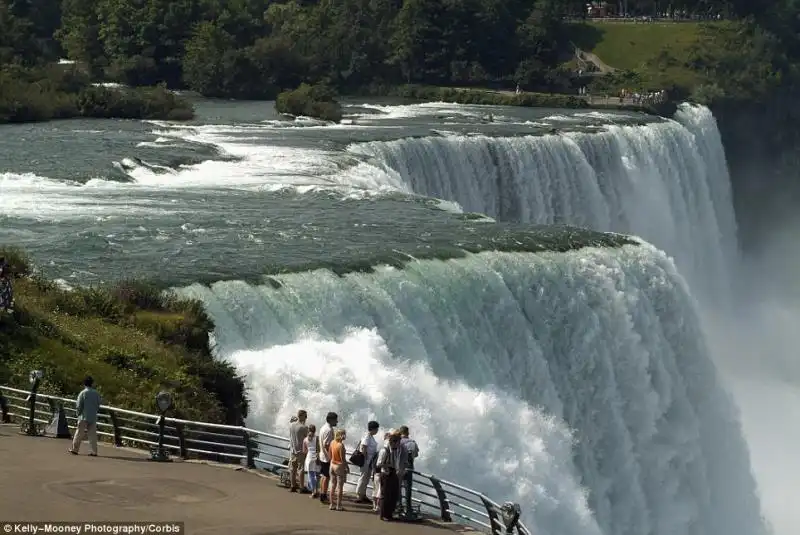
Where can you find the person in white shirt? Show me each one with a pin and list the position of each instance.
(369, 447)
(310, 448)
(325, 439)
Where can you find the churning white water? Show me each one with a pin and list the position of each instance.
(581, 382)
(488, 356)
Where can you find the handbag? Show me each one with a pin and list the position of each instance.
(357, 458)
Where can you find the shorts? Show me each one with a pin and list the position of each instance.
(297, 462)
(339, 470)
(325, 469)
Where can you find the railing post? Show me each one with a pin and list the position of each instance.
(443, 507)
(115, 426)
(494, 518)
(250, 451)
(181, 441)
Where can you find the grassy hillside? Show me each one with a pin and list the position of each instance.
(129, 338)
(655, 55)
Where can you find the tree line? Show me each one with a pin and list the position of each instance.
(255, 48)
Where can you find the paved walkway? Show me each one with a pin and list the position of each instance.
(40, 481)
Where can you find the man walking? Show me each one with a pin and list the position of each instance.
(369, 447)
(298, 431)
(412, 452)
(87, 407)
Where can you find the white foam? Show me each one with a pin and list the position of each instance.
(359, 375)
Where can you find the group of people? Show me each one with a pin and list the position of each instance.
(6, 289)
(651, 97)
(322, 455)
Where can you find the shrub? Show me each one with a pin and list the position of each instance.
(60, 92)
(312, 101)
(18, 262)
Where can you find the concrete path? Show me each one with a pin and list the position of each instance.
(40, 481)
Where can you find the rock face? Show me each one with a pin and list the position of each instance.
(762, 146)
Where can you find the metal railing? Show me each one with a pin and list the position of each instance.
(39, 414)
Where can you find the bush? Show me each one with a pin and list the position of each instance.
(126, 103)
(19, 265)
(133, 338)
(311, 101)
(61, 92)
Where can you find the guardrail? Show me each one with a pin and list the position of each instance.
(43, 414)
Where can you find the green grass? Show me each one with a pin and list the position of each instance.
(654, 55)
(631, 46)
(133, 341)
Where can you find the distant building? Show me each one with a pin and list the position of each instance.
(597, 10)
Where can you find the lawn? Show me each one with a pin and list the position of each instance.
(662, 54)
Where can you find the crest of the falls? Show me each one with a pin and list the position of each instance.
(665, 181)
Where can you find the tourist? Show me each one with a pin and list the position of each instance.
(6, 418)
(6, 288)
(87, 407)
(338, 469)
(412, 452)
(311, 451)
(376, 490)
(325, 439)
(392, 466)
(369, 448)
(298, 431)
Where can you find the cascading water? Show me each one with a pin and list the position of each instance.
(484, 357)
(665, 181)
(581, 380)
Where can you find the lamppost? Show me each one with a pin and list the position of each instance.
(164, 403)
(35, 379)
(509, 513)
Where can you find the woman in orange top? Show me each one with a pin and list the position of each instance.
(339, 469)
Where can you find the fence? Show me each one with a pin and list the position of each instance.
(42, 414)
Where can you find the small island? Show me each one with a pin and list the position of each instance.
(65, 91)
(131, 337)
(317, 101)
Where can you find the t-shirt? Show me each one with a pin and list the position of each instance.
(88, 405)
(325, 439)
(411, 448)
(297, 434)
(372, 448)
